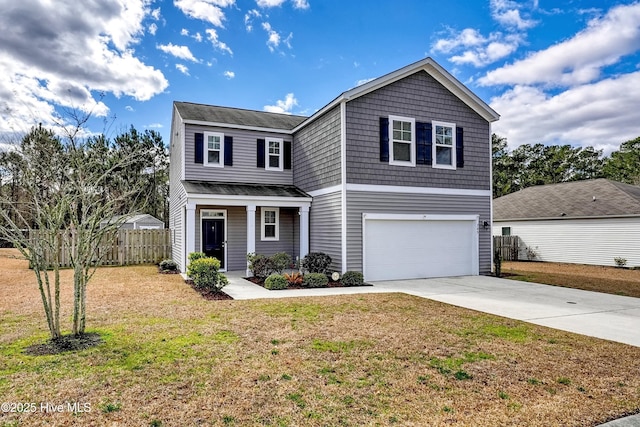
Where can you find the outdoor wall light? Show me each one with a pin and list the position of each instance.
(485, 224)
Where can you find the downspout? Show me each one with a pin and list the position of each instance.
(491, 199)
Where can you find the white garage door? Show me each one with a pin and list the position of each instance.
(419, 246)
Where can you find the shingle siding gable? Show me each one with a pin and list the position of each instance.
(421, 97)
(316, 153)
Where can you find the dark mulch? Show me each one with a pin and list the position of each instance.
(64, 344)
(209, 294)
(331, 284)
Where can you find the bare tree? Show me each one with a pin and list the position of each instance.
(67, 186)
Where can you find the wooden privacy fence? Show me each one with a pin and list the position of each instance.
(127, 248)
(508, 247)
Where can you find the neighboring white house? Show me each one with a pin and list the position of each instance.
(581, 222)
(139, 222)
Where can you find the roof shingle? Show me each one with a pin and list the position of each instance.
(237, 116)
(577, 199)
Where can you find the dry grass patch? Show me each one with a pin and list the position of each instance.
(171, 358)
(611, 280)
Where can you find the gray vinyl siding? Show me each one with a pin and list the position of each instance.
(325, 229)
(244, 168)
(421, 97)
(177, 195)
(289, 240)
(316, 153)
(595, 241)
(399, 203)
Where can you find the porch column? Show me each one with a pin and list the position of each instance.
(304, 231)
(251, 232)
(190, 232)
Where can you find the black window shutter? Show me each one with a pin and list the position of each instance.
(199, 146)
(459, 147)
(423, 143)
(384, 139)
(228, 151)
(287, 154)
(260, 153)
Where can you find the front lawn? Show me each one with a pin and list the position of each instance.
(171, 358)
(611, 280)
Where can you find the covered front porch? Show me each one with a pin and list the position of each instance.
(228, 221)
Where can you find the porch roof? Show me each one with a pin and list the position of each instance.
(194, 188)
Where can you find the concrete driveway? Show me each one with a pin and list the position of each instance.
(610, 317)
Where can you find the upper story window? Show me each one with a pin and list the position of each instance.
(444, 145)
(275, 149)
(214, 149)
(270, 224)
(402, 137)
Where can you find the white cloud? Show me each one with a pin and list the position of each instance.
(183, 69)
(155, 14)
(229, 74)
(507, 13)
(129, 108)
(274, 39)
(269, 3)
(364, 81)
(182, 52)
(84, 48)
(602, 114)
(580, 59)
(205, 10)
(155, 126)
(249, 17)
(297, 4)
(212, 35)
(283, 106)
(153, 28)
(184, 32)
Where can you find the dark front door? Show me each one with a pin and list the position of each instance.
(213, 239)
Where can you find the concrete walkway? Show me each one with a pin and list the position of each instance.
(611, 317)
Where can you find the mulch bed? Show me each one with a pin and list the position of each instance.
(208, 294)
(64, 344)
(331, 284)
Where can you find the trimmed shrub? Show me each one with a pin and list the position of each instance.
(205, 275)
(196, 255)
(280, 262)
(315, 280)
(352, 278)
(275, 282)
(260, 265)
(168, 265)
(316, 262)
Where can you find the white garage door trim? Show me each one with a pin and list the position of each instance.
(473, 221)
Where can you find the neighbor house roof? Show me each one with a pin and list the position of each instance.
(578, 199)
(132, 219)
(212, 115)
(254, 190)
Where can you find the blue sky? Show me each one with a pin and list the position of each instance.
(558, 72)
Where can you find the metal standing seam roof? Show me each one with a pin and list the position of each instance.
(577, 199)
(237, 116)
(253, 190)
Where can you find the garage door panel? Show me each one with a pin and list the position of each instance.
(407, 249)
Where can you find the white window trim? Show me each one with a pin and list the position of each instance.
(280, 156)
(434, 163)
(412, 143)
(206, 150)
(263, 210)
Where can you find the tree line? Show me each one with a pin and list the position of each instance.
(537, 164)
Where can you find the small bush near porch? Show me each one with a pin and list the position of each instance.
(170, 358)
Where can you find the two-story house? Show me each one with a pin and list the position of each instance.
(391, 178)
